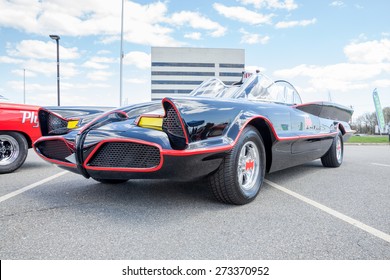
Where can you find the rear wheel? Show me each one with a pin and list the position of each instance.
(241, 174)
(335, 154)
(110, 181)
(13, 151)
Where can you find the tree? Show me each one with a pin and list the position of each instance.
(386, 113)
(366, 123)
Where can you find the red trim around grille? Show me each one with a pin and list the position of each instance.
(124, 169)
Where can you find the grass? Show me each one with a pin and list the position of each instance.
(369, 139)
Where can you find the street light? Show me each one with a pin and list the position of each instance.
(121, 60)
(57, 38)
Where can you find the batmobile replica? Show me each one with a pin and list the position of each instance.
(232, 135)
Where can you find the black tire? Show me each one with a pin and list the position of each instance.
(228, 183)
(13, 151)
(334, 156)
(110, 181)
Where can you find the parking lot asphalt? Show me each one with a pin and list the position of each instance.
(69, 217)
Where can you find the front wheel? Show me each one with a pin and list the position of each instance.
(335, 154)
(241, 174)
(13, 151)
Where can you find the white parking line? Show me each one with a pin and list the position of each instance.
(29, 187)
(380, 164)
(345, 218)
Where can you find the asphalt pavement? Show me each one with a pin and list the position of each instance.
(60, 215)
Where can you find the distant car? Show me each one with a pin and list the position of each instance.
(19, 129)
(231, 134)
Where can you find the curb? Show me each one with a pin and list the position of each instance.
(367, 144)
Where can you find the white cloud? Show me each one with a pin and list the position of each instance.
(103, 52)
(294, 23)
(251, 39)
(41, 50)
(242, 14)
(10, 60)
(197, 21)
(383, 83)
(18, 85)
(142, 23)
(193, 36)
(99, 75)
(341, 76)
(337, 4)
(272, 4)
(98, 62)
(23, 72)
(67, 69)
(369, 51)
(368, 66)
(139, 59)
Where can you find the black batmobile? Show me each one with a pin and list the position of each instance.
(232, 135)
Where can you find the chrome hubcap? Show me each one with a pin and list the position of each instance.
(339, 150)
(248, 166)
(9, 149)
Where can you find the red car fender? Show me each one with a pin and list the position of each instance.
(20, 118)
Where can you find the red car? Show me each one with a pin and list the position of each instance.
(19, 129)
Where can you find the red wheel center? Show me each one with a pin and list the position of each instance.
(249, 165)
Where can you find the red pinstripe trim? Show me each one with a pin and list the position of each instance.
(231, 145)
(93, 122)
(53, 113)
(55, 161)
(178, 115)
(123, 169)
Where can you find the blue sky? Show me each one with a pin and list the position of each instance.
(324, 47)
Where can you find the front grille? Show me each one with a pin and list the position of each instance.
(54, 149)
(171, 122)
(126, 155)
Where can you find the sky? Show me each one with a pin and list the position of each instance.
(338, 50)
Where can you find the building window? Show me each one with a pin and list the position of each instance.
(162, 82)
(171, 90)
(230, 74)
(182, 64)
(177, 73)
(231, 65)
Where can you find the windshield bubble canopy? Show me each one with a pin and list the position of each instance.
(257, 87)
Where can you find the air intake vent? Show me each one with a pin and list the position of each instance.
(126, 155)
(172, 123)
(173, 126)
(54, 149)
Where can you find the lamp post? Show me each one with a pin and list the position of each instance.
(57, 38)
(121, 60)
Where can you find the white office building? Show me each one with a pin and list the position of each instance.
(177, 71)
